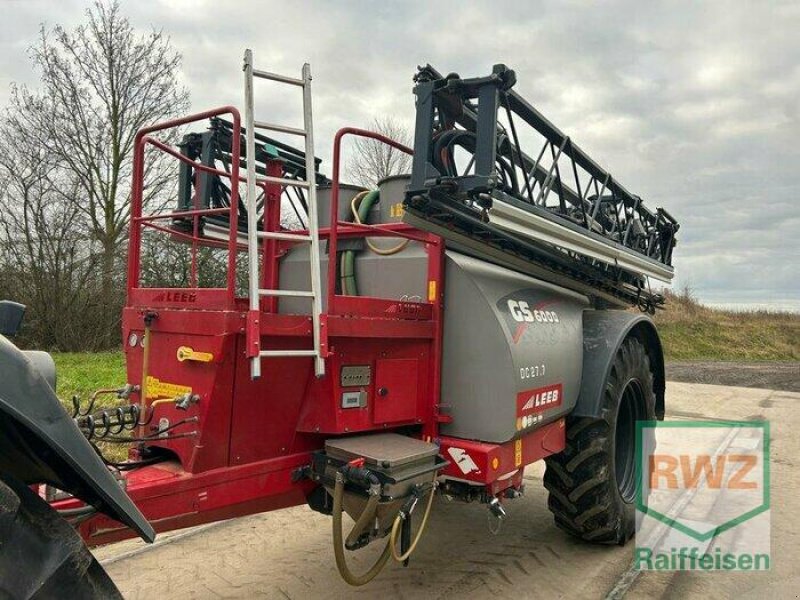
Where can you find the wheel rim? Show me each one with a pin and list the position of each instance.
(625, 452)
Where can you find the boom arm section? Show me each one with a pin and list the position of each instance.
(560, 214)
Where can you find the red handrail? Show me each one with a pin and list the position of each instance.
(334, 225)
(182, 214)
(189, 238)
(137, 221)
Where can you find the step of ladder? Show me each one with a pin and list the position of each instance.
(288, 293)
(281, 235)
(253, 235)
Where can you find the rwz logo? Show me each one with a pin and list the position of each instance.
(701, 479)
(176, 296)
(692, 470)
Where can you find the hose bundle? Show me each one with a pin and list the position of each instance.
(364, 520)
(360, 206)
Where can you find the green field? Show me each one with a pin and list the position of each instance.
(81, 373)
(692, 331)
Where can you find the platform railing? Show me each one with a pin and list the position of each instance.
(358, 229)
(139, 221)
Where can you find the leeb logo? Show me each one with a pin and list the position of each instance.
(703, 495)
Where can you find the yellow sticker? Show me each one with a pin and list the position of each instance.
(432, 290)
(517, 453)
(396, 210)
(161, 389)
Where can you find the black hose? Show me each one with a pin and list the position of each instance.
(81, 511)
(152, 438)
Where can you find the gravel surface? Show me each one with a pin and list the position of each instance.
(783, 376)
(287, 554)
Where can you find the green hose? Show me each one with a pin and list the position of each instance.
(366, 205)
(347, 273)
(347, 265)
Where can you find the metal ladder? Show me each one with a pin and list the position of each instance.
(253, 235)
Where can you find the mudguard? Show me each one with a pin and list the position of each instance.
(603, 334)
(40, 443)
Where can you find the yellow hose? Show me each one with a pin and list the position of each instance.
(364, 520)
(338, 546)
(356, 201)
(145, 373)
(367, 515)
(398, 520)
(376, 249)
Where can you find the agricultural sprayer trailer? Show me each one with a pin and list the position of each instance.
(360, 350)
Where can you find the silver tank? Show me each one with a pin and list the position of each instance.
(392, 189)
(346, 194)
(407, 272)
(512, 344)
(512, 350)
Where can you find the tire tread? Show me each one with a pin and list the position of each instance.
(583, 496)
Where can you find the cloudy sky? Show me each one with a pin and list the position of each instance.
(695, 106)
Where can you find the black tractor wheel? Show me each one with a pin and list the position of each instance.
(592, 483)
(41, 554)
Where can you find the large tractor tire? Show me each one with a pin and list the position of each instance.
(592, 483)
(41, 555)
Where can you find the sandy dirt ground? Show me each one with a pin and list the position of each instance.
(288, 554)
(771, 375)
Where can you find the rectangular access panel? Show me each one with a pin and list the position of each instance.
(396, 390)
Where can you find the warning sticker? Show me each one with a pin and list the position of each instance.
(463, 460)
(161, 389)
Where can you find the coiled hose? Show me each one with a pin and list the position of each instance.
(338, 544)
(398, 521)
(360, 206)
(364, 520)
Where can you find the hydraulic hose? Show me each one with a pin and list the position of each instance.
(398, 521)
(363, 521)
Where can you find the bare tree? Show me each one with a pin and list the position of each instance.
(372, 160)
(100, 83)
(46, 253)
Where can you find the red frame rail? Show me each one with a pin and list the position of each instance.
(272, 248)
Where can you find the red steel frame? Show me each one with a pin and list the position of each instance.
(251, 439)
(138, 221)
